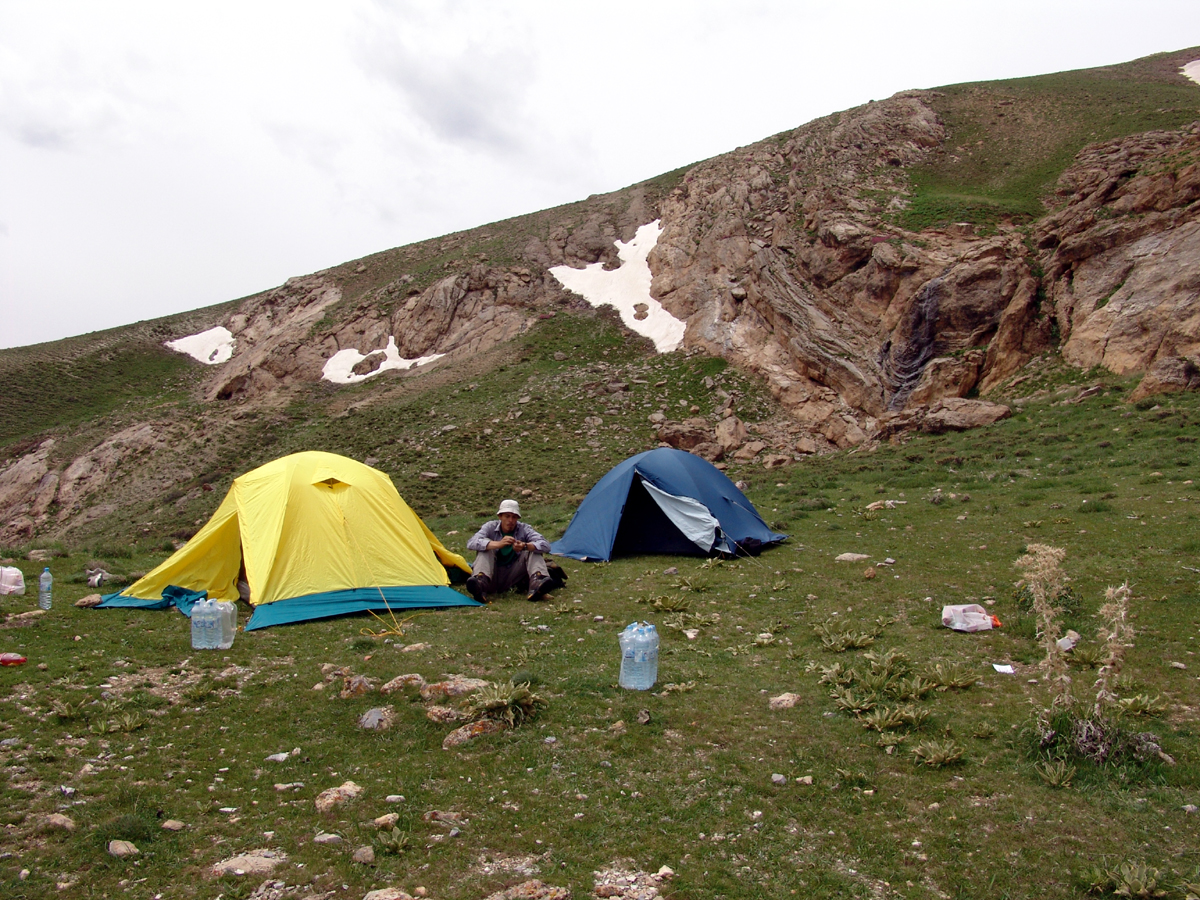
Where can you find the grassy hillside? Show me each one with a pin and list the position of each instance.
(1008, 141)
(142, 729)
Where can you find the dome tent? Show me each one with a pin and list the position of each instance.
(663, 501)
(320, 536)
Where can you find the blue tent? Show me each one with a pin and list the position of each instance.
(663, 501)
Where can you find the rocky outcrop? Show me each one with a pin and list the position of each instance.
(1122, 254)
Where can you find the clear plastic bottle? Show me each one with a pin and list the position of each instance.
(198, 625)
(639, 657)
(212, 625)
(227, 617)
(45, 587)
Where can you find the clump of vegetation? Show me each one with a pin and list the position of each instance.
(511, 703)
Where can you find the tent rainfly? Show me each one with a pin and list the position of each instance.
(663, 501)
(319, 535)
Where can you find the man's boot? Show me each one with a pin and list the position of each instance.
(478, 587)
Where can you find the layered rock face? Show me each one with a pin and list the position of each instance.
(782, 257)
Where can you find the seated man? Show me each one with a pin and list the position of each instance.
(508, 554)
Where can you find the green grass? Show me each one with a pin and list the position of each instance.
(692, 788)
(1008, 141)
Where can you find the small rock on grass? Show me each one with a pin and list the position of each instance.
(256, 863)
(778, 778)
(531, 890)
(388, 894)
(851, 557)
(344, 793)
(784, 701)
(173, 825)
(59, 822)
(643, 717)
(325, 837)
(388, 820)
(365, 856)
(122, 849)
(472, 730)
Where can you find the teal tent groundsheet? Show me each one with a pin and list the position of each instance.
(338, 603)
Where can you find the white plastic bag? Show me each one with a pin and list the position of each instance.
(968, 617)
(11, 580)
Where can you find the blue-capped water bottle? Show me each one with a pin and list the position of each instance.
(45, 586)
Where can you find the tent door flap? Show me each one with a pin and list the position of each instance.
(691, 517)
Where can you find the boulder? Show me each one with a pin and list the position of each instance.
(731, 433)
(1169, 374)
(686, 434)
(960, 414)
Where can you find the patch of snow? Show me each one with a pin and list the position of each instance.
(627, 287)
(1192, 70)
(340, 367)
(209, 347)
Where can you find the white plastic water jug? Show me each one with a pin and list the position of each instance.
(639, 656)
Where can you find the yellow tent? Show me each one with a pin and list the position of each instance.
(321, 535)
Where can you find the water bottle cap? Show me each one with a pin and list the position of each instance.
(47, 569)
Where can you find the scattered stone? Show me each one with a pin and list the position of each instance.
(429, 476)
(776, 460)
(444, 715)
(413, 648)
(778, 778)
(394, 798)
(784, 701)
(365, 856)
(289, 786)
(387, 821)
(278, 757)
(59, 821)
(869, 572)
(325, 837)
(442, 817)
(89, 602)
(851, 557)
(749, 450)
(379, 718)
(122, 849)
(806, 446)
(1068, 641)
(1178, 665)
(472, 730)
(173, 825)
(387, 894)
(357, 686)
(345, 793)
(671, 570)
(1191, 808)
(454, 686)
(643, 717)
(257, 863)
(804, 779)
(531, 890)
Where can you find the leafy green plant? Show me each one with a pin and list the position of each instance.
(1055, 772)
(937, 754)
(514, 704)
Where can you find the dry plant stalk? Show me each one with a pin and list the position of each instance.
(1116, 636)
(1046, 580)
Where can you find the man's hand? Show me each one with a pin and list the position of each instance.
(507, 541)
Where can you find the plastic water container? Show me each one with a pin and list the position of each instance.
(198, 625)
(45, 586)
(639, 657)
(227, 618)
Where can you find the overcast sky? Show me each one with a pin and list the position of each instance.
(157, 157)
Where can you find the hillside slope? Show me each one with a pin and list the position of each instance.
(866, 267)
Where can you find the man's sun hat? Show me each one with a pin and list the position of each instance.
(509, 506)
